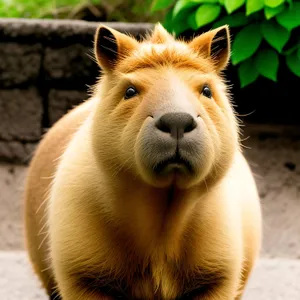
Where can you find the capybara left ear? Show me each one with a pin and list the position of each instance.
(214, 44)
(111, 46)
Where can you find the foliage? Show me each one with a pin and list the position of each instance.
(267, 32)
(91, 10)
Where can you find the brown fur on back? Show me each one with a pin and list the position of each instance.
(40, 175)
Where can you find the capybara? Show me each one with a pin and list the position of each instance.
(142, 191)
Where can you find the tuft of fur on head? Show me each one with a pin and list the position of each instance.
(159, 35)
(162, 69)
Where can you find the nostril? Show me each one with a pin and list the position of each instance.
(163, 125)
(190, 125)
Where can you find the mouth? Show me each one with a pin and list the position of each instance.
(173, 164)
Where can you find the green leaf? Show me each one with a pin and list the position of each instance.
(267, 63)
(191, 20)
(235, 20)
(247, 72)
(290, 17)
(181, 22)
(246, 43)
(275, 35)
(178, 28)
(298, 53)
(184, 4)
(161, 4)
(293, 62)
(232, 5)
(273, 3)
(184, 20)
(271, 12)
(206, 14)
(254, 6)
(167, 24)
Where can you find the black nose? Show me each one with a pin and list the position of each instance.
(176, 124)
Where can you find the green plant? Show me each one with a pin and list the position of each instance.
(96, 10)
(267, 32)
(35, 9)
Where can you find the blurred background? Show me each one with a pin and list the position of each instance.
(46, 68)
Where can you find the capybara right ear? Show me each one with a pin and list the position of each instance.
(111, 46)
(214, 44)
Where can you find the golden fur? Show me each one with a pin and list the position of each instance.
(100, 224)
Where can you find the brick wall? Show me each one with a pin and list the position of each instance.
(45, 69)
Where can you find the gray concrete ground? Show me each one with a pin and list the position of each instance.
(11, 206)
(276, 164)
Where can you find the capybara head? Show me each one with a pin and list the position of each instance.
(163, 114)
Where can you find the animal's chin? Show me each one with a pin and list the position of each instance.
(173, 170)
(174, 165)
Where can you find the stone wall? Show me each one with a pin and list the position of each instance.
(45, 69)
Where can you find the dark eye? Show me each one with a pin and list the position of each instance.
(130, 92)
(206, 92)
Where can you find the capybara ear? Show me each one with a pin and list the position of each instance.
(111, 46)
(214, 44)
(160, 35)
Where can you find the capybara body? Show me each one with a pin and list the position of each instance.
(142, 191)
